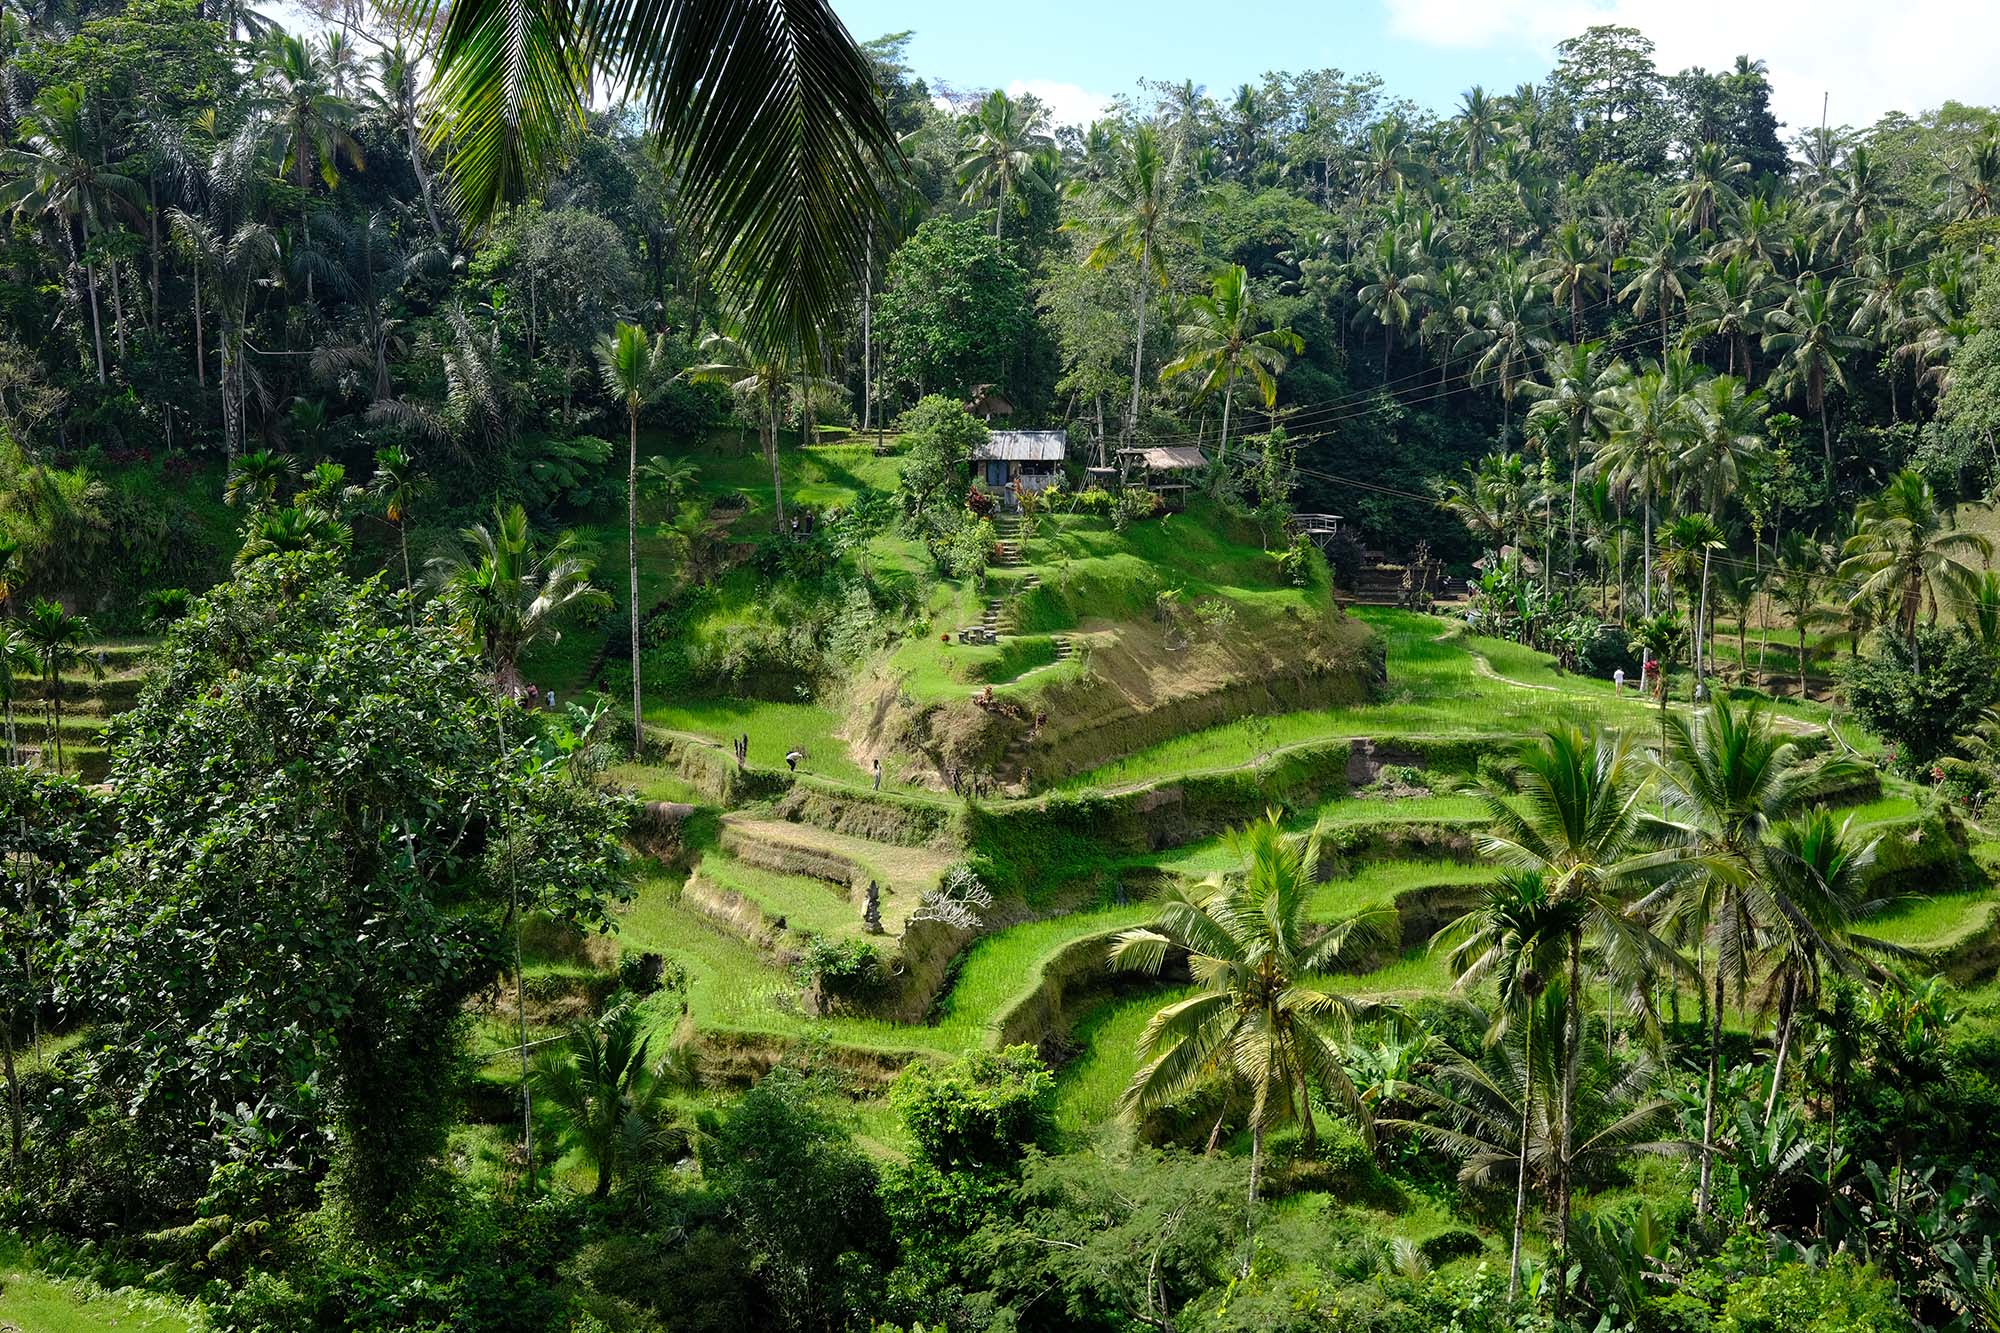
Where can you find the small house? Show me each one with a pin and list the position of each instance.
(1027, 460)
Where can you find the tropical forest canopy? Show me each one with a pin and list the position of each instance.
(565, 769)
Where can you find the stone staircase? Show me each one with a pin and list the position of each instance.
(1007, 541)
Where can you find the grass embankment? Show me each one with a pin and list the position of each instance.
(34, 1302)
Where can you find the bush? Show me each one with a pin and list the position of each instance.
(1843, 1297)
(1921, 696)
(847, 968)
(981, 1112)
(1607, 649)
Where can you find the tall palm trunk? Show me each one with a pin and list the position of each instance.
(632, 562)
(1646, 557)
(200, 346)
(1139, 340)
(1703, 1197)
(1787, 1007)
(1573, 1042)
(1228, 396)
(13, 1098)
(1521, 1178)
(1250, 1212)
(770, 435)
(90, 284)
(54, 678)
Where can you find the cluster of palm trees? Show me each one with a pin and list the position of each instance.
(1702, 460)
(1711, 869)
(126, 191)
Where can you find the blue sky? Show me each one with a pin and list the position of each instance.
(1874, 55)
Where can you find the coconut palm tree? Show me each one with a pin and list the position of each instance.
(1804, 570)
(1482, 1108)
(1515, 937)
(58, 173)
(1687, 546)
(1135, 203)
(605, 1089)
(1220, 342)
(228, 265)
(1707, 192)
(1808, 336)
(1475, 128)
(1494, 501)
(634, 369)
(58, 642)
(1724, 786)
(396, 96)
(1573, 270)
(1255, 1016)
(1725, 439)
(1574, 819)
(1728, 303)
(394, 487)
(1657, 283)
(759, 375)
(1512, 335)
(508, 592)
(1638, 455)
(1397, 283)
(1906, 546)
(1582, 395)
(771, 114)
(1005, 134)
(308, 118)
(1817, 867)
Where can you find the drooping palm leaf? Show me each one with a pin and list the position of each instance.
(766, 108)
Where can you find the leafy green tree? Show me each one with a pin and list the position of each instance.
(942, 436)
(1922, 692)
(1220, 341)
(1255, 1018)
(758, 374)
(954, 310)
(385, 825)
(633, 365)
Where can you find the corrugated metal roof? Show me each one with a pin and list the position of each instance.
(1023, 446)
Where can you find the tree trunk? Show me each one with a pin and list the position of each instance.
(409, 585)
(632, 561)
(1521, 1178)
(200, 347)
(1139, 341)
(1646, 557)
(13, 1098)
(96, 322)
(55, 716)
(118, 309)
(1703, 1199)
(1787, 1006)
(1250, 1213)
(423, 176)
(1701, 650)
(1573, 1042)
(868, 333)
(1228, 396)
(771, 457)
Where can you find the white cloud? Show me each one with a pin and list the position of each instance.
(1873, 56)
(1068, 103)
